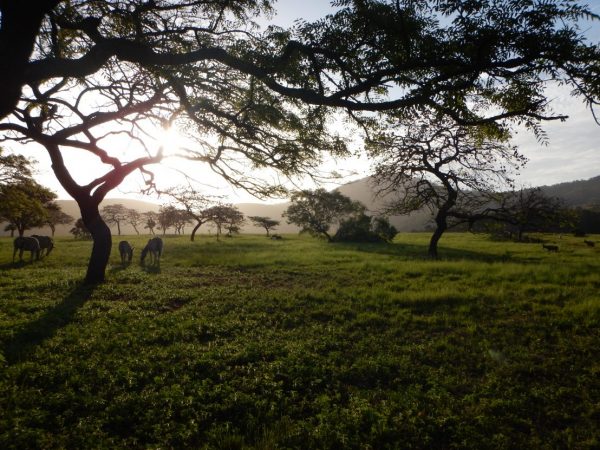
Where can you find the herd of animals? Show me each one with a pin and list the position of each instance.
(36, 244)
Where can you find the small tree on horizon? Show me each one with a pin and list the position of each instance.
(57, 217)
(115, 214)
(150, 223)
(265, 222)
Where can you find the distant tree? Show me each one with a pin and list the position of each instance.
(317, 211)
(588, 219)
(80, 231)
(57, 217)
(265, 222)
(195, 203)
(150, 223)
(181, 218)
(12, 228)
(437, 164)
(24, 204)
(115, 214)
(235, 220)
(225, 216)
(530, 209)
(167, 216)
(134, 218)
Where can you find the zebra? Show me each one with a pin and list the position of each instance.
(46, 242)
(126, 251)
(30, 244)
(155, 247)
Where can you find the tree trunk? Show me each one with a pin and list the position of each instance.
(102, 242)
(118, 228)
(193, 235)
(53, 229)
(442, 225)
(136, 230)
(267, 232)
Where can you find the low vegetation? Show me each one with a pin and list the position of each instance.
(298, 343)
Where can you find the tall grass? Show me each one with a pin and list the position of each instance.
(254, 343)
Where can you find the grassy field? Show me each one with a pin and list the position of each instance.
(253, 343)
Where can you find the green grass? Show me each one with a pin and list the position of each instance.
(253, 343)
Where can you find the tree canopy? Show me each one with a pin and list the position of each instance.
(315, 212)
(438, 164)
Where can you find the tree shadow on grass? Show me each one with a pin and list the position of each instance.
(419, 251)
(151, 268)
(119, 267)
(33, 334)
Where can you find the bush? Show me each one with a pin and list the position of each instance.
(365, 229)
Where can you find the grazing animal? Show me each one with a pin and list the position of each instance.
(590, 243)
(276, 237)
(155, 247)
(126, 251)
(30, 244)
(46, 242)
(550, 247)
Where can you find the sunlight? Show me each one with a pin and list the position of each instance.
(170, 140)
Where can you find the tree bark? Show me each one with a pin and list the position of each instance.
(442, 226)
(193, 235)
(102, 242)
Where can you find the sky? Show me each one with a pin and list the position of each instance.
(572, 151)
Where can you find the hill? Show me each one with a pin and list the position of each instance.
(580, 193)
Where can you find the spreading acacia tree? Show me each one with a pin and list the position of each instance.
(115, 214)
(435, 163)
(195, 203)
(265, 222)
(57, 217)
(98, 77)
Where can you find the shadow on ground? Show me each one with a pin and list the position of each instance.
(416, 252)
(35, 333)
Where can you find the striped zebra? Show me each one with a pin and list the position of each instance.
(29, 244)
(154, 247)
(46, 243)
(126, 251)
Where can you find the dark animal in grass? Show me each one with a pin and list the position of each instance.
(29, 244)
(46, 243)
(155, 248)
(126, 251)
(590, 243)
(276, 237)
(550, 247)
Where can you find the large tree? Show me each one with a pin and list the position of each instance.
(84, 72)
(434, 163)
(316, 212)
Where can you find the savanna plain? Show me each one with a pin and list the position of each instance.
(252, 343)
